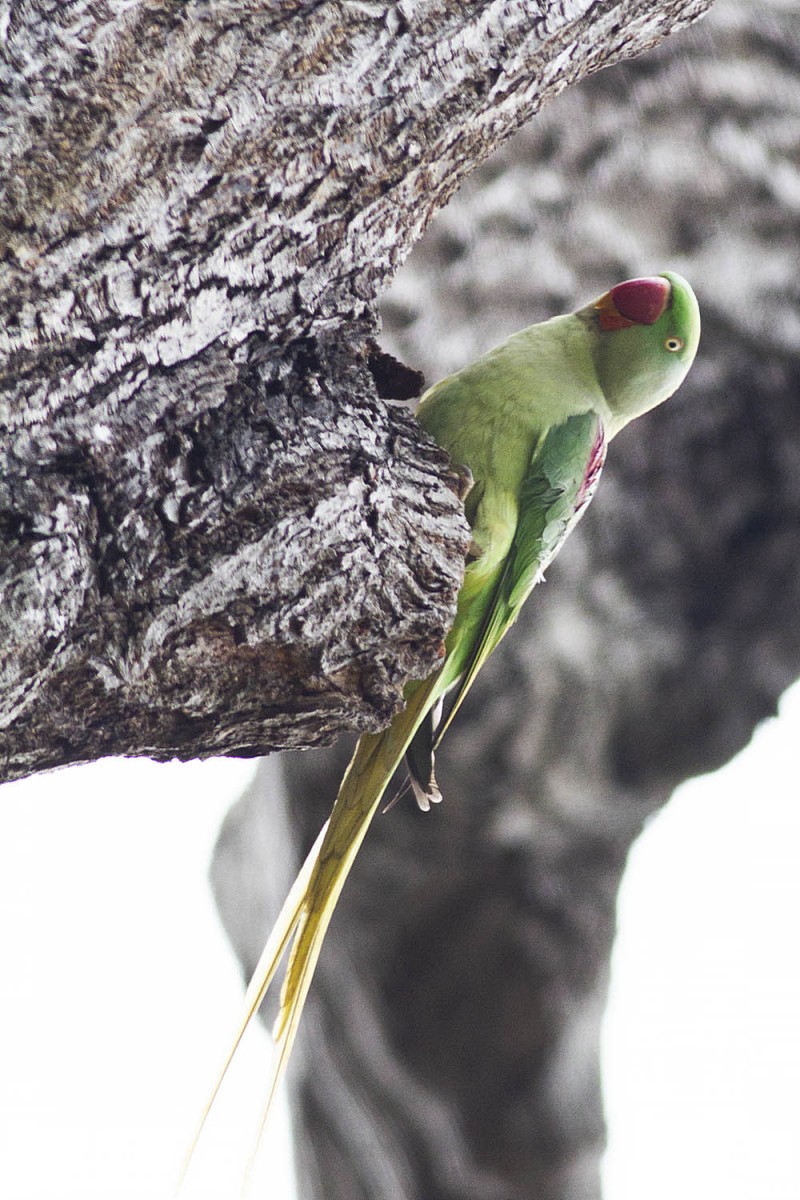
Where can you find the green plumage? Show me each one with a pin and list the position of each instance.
(530, 420)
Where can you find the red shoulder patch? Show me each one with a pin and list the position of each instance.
(594, 468)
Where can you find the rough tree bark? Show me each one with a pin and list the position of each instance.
(451, 1043)
(216, 537)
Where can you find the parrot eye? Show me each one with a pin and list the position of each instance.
(673, 344)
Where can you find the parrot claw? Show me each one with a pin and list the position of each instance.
(426, 796)
(419, 760)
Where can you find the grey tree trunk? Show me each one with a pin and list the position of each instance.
(451, 1042)
(216, 536)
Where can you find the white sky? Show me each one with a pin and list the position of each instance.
(118, 988)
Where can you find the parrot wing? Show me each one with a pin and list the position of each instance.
(563, 473)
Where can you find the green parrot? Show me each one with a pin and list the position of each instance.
(530, 421)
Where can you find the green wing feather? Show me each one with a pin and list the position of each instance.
(563, 472)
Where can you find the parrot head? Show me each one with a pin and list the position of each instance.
(646, 335)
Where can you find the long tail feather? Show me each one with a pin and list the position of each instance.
(376, 758)
(307, 911)
(277, 943)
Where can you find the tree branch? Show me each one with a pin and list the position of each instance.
(216, 537)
